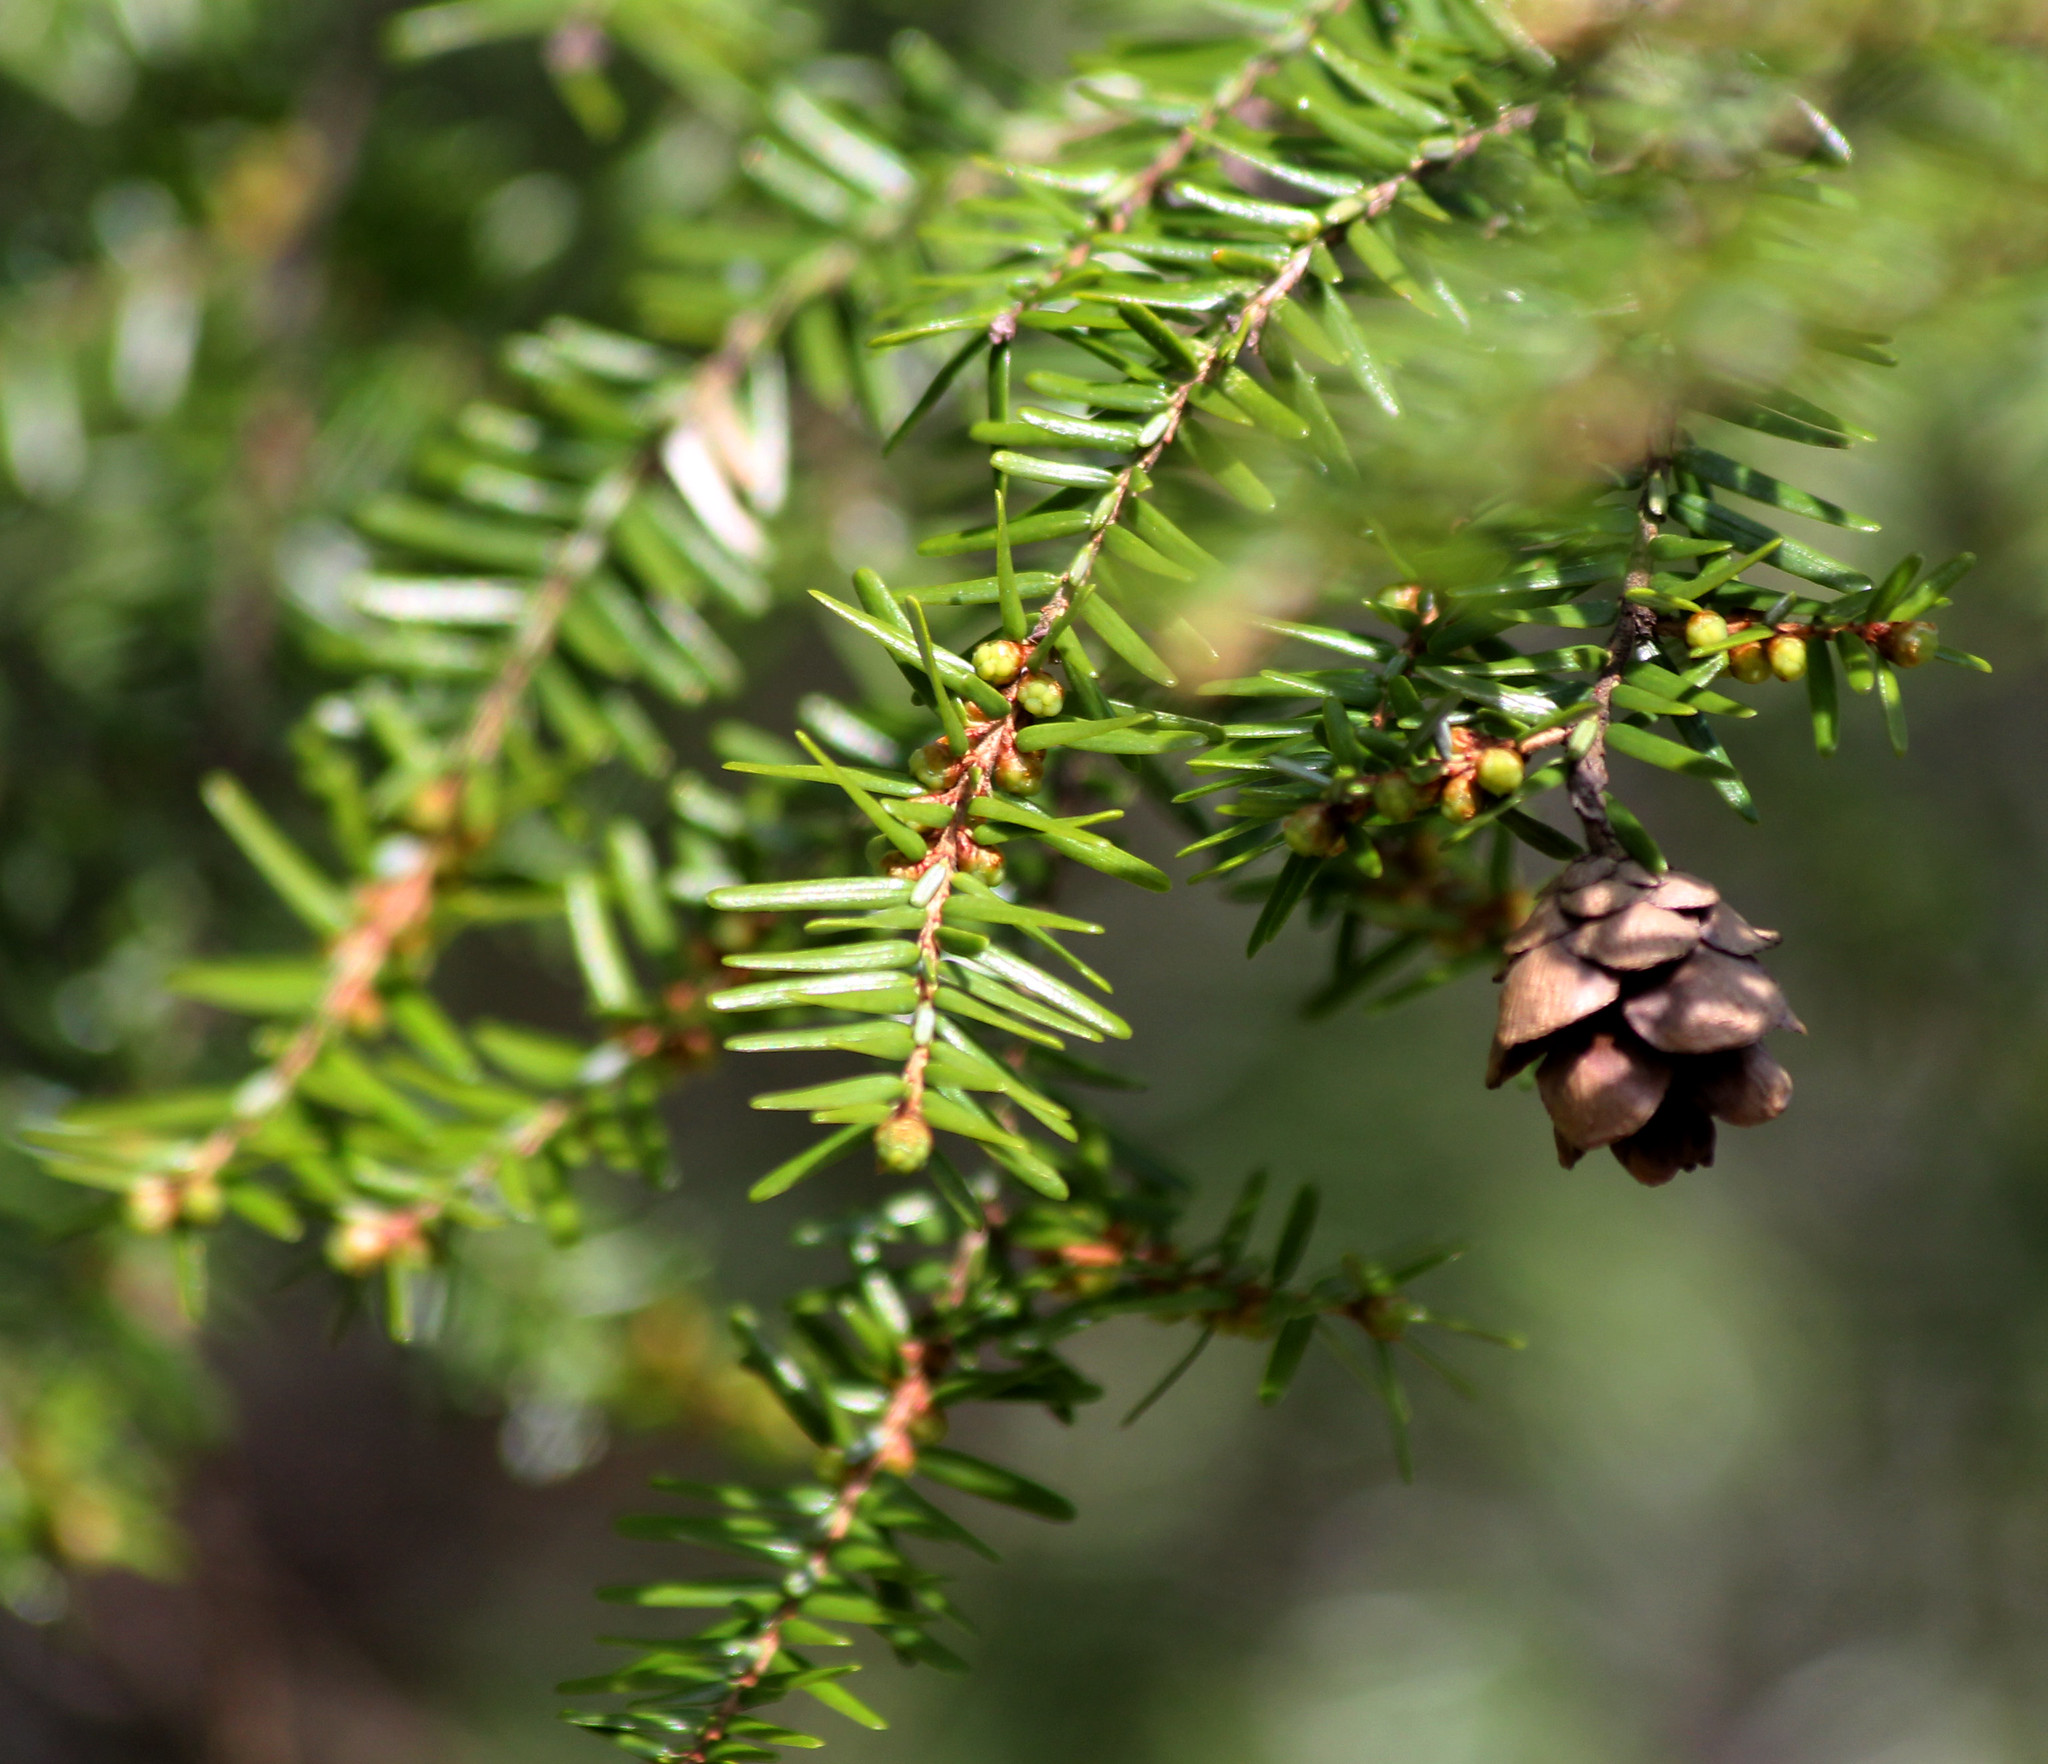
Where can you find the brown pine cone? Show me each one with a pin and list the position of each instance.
(1642, 996)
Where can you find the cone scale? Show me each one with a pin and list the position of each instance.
(1641, 1003)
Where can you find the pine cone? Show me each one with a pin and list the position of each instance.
(1642, 996)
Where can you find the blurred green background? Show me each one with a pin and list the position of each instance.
(1766, 1487)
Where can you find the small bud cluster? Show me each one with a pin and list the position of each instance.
(156, 1204)
(1000, 660)
(986, 759)
(1907, 644)
(1500, 770)
(981, 860)
(903, 1144)
(991, 755)
(1395, 797)
(1779, 652)
(968, 854)
(1041, 695)
(1478, 769)
(1020, 774)
(1313, 831)
(366, 1239)
(1385, 1316)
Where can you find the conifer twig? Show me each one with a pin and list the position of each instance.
(1251, 322)
(893, 1451)
(1587, 782)
(397, 908)
(1142, 186)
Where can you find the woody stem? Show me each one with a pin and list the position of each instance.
(1588, 785)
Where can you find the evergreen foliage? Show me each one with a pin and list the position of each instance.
(1319, 413)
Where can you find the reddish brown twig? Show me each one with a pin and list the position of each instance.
(395, 910)
(1587, 787)
(1251, 321)
(892, 1450)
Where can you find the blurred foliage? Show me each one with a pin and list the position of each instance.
(230, 313)
(259, 263)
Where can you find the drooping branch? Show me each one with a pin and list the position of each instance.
(1244, 335)
(891, 1450)
(395, 910)
(1136, 193)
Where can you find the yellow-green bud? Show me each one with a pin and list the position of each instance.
(359, 1243)
(1748, 663)
(1021, 774)
(1908, 645)
(152, 1205)
(896, 1455)
(1041, 695)
(1000, 660)
(983, 861)
(202, 1202)
(1387, 1316)
(903, 1144)
(1787, 657)
(1311, 832)
(1501, 771)
(1459, 801)
(1395, 797)
(929, 764)
(1705, 629)
(432, 809)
